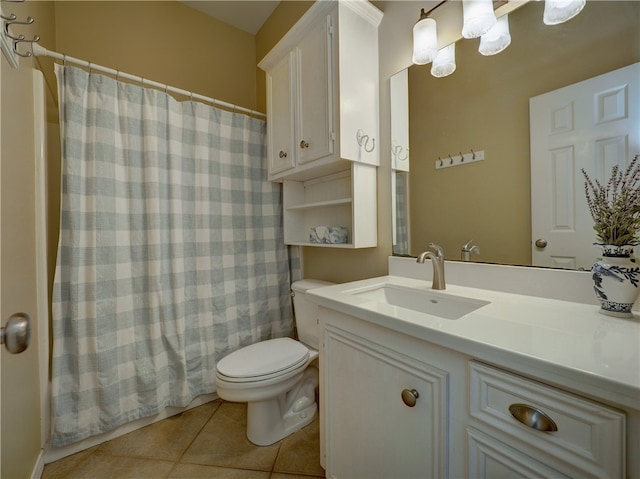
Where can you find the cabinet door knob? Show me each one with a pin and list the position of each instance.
(282, 154)
(410, 396)
(532, 417)
(304, 144)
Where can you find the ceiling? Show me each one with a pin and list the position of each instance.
(247, 15)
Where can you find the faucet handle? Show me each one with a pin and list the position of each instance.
(438, 249)
(467, 247)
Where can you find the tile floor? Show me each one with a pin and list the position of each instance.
(205, 442)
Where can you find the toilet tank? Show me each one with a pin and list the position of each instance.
(306, 311)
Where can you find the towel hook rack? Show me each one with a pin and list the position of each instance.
(10, 41)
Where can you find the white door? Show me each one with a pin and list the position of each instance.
(20, 398)
(593, 124)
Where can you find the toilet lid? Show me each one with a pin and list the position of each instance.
(264, 359)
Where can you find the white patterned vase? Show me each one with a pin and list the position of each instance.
(615, 280)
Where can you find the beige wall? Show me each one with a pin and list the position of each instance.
(484, 105)
(164, 41)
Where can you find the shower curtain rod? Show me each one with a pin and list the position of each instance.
(40, 51)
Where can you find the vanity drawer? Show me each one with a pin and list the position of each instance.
(589, 440)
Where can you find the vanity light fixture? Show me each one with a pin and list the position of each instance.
(497, 38)
(559, 11)
(478, 17)
(425, 39)
(445, 62)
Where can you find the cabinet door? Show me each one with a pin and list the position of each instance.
(280, 116)
(314, 94)
(370, 432)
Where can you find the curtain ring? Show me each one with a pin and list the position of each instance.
(190, 96)
(64, 59)
(117, 75)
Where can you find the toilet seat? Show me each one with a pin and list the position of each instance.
(264, 360)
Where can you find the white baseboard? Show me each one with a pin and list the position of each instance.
(38, 468)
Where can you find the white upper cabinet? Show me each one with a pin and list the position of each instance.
(280, 83)
(322, 92)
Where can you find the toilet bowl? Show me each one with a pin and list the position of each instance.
(275, 377)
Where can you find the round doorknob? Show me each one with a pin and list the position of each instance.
(16, 335)
(410, 396)
(541, 243)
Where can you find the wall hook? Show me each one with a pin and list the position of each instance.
(473, 153)
(450, 160)
(406, 154)
(21, 39)
(12, 20)
(461, 158)
(373, 145)
(363, 141)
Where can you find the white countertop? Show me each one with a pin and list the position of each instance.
(568, 344)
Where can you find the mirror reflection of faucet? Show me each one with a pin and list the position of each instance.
(467, 249)
(437, 259)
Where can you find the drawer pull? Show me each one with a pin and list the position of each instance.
(282, 154)
(304, 144)
(410, 396)
(532, 417)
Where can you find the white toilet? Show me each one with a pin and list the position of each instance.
(274, 377)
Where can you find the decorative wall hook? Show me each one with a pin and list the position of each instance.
(363, 141)
(396, 152)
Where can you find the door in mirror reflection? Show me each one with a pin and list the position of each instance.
(593, 124)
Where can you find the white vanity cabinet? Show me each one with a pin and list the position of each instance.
(558, 434)
(385, 407)
(460, 424)
(322, 121)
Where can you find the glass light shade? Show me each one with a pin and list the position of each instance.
(559, 11)
(425, 41)
(497, 38)
(445, 62)
(478, 17)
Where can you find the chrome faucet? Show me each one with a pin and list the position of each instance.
(437, 259)
(465, 254)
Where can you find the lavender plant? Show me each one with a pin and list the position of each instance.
(615, 207)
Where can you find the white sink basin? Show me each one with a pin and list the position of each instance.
(424, 301)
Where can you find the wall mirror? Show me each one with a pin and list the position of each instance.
(484, 108)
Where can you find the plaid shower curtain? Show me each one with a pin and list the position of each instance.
(171, 252)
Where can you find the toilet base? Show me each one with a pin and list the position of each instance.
(274, 419)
